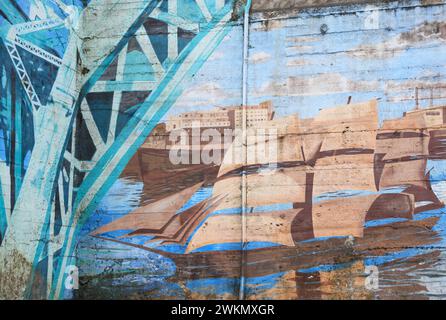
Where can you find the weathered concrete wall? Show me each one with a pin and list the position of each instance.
(265, 6)
(141, 180)
(277, 6)
(381, 51)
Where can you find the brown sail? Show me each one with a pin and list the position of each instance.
(153, 216)
(402, 152)
(172, 226)
(274, 167)
(181, 233)
(272, 227)
(348, 138)
(347, 216)
(337, 217)
(285, 185)
(401, 157)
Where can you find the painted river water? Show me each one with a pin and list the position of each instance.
(114, 270)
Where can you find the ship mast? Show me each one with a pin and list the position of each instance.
(417, 106)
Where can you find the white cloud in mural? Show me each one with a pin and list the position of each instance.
(382, 50)
(323, 84)
(426, 32)
(208, 94)
(297, 62)
(259, 57)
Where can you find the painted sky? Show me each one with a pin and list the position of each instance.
(367, 52)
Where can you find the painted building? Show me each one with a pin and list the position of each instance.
(211, 119)
(222, 117)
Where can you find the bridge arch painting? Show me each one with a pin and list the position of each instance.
(222, 149)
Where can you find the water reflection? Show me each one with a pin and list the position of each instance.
(409, 256)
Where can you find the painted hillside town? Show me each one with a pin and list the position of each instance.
(222, 149)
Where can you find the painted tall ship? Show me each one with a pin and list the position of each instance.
(183, 132)
(313, 179)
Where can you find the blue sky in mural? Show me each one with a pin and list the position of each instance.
(323, 70)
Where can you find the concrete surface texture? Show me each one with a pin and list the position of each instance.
(222, 149)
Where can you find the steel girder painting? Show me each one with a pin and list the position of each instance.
(218, 149)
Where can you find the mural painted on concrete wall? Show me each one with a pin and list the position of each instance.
(132, 159)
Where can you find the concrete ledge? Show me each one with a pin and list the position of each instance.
(279, 5)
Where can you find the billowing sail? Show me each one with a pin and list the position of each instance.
(330, 218)
(190, 219)
(347, 144)
(284, 185)
(403, 148)
(347, 216)
(404, 173)
(271, 142)
(273, 227)
(274, 166)
(402, 152)
(153, 216)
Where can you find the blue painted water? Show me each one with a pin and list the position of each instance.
(135, 269)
